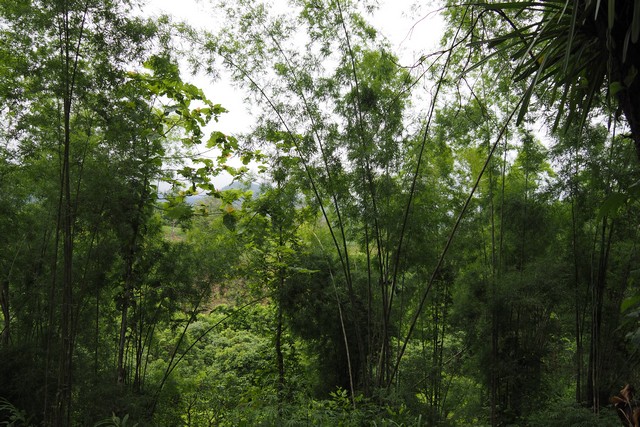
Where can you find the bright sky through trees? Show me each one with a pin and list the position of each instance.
(416, 255)
(412, 29)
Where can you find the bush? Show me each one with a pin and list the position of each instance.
(568, 414)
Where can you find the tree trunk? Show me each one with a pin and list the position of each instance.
(280, 356)
(127, 296)
(576, 282)
(63, 392)
(122, 340)
(137, 377)
(4, 305)
(494, 369)
(595, 359)
(132, 250)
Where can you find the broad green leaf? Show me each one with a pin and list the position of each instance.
(611, 10)
(631, 76)
(615, 87)
(612, 205)
(629, 303)
(216, 139)
(229, 220)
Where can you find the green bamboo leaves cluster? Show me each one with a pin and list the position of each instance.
(336, 110)
(401, 245)
(578, 54)
(94, 113)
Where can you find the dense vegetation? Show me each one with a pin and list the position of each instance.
(450, 242)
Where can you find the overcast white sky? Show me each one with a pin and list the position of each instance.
(406, 27)
(412, 31)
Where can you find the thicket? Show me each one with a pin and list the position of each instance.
(417, 252)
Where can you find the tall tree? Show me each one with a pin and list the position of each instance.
(344, 123)
(90, 135)
(70, 58)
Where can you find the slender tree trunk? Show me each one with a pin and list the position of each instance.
(49, 411)
(444, 316)
(6, 314)
(280, 357)
(577, 305)
(439, 321)
(124, 324)
(137, 377)
(69, 58)
(494, 369)
(595, 357)
(435, 319)
(494, 380)
(148, 339)
(97, 334)
(127, 297)
(171, 365)
(576, 279)
(279, 315)
(5, 305)
(63, 392)
(129, 285)
(368, 367)
(577, 311)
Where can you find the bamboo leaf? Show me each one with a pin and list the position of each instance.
(612, 205)
(615, 87)
(522, 5)
(612, 13)
(510, 5)
(597, 79)
(572, 32)
(629, 303)
(635, 22)
(625, 46)
(526, 98)
(631, 76)
(561, 105)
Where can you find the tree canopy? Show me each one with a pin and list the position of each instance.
(447, 242)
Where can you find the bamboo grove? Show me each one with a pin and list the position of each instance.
(451, 241)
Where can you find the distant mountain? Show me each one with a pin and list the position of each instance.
(195, 199)
(254, 187)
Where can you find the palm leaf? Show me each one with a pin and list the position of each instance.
(553, 53)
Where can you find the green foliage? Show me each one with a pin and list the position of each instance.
(85, 258)
(115, 421)
(565, 413)
(10, 416)
(228, 373)
(575, 55)
(325, 298)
